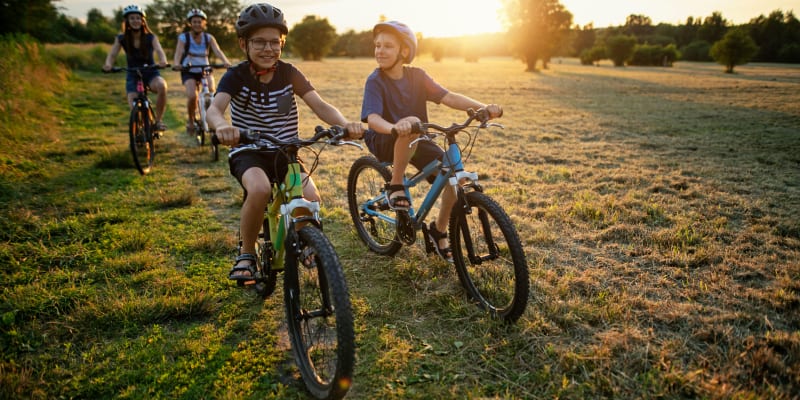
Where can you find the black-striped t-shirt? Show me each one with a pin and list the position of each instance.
(265, 107)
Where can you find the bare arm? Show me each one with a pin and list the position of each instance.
(162, 57)
(226, 133)
(112, 55)
(219, 53)
(331, 115)
(176, 61)
(460, 102)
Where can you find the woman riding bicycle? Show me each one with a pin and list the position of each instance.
(192, 49)
(395, 99)
(139, 44)
(261, 93)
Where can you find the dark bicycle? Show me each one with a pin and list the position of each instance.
(142, 129)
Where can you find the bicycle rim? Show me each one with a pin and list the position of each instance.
(489, 257)
(141, 140)
(319, 315)
(202, 126)
(373, 219)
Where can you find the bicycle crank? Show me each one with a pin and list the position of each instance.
(405, 228)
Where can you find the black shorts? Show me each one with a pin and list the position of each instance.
(382, 147)
(273, 163)
(185, 76)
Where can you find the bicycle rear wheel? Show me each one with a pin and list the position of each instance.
(141, 139)
(373, 219)
(319, 314)
(489, 257)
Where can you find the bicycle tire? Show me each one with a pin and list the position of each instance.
(141, 139)
(319, 314)
(366, 180)
(268, 277)
(202, 124)
(495, 275)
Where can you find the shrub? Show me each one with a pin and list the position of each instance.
(696, 51)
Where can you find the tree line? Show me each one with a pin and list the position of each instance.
(538, 31)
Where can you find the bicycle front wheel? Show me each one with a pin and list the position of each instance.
(372, 217)
(319, 315)
(141, 139)
(489, 257)
(202, 124)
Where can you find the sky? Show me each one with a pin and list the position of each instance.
(442, 18)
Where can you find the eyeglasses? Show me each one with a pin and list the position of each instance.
(261, 44)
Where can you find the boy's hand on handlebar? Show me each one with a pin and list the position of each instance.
(228, 135)
(405, 126)
(355, 130)
(494, 110)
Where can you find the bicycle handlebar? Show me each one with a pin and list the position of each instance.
(187, 68)
(482, 115)
(142, 68)
(334, 136)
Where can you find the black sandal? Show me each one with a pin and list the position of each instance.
(392, 189)
(434, 234)
(242, 279)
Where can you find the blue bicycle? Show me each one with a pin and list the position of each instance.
(487, 252)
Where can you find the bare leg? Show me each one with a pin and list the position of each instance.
(191, 102)
(159, 85)
(257, 184)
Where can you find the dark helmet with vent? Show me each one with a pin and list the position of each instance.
(260, 16)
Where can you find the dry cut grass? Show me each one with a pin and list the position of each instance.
(660, 209)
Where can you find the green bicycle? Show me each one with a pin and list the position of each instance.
(316, 297)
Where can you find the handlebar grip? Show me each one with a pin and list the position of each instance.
(416, 127)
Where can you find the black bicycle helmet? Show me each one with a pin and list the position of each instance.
(260, 16)
(402, 31)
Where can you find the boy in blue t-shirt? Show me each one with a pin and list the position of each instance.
(395, 97)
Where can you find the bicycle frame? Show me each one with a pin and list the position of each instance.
(450, 172)
(280, 212)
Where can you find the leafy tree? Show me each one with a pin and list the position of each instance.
(696, 51)
(593, 55)
(168, 19)
(735, 48)
(538, 29)
(713, 28)
(638, 25)
(620, 48)
(98, 27)
(312, 38)
(35, 17)
(584, 39)
(773, 32)
(354, 44)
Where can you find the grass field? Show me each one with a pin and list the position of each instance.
(659, 207)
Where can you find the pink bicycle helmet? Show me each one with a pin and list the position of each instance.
(260, 16)
(402, 31)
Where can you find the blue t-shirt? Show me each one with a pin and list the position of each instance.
(395, 99)
(265, 107)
